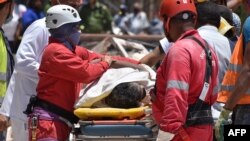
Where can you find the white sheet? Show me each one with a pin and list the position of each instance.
(101, 88)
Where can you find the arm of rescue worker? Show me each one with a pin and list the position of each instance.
(66, 65)
(30, 50)
(178, 71)
(6, 104)
(242, 84)
(153, 57)
(157, 54)
(96, 57)
(118, 61)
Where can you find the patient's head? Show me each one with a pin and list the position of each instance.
(126, 95)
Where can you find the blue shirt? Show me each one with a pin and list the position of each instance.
(30, 16)
(246, 31)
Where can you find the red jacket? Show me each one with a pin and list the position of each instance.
(179, 82)
(62, 72)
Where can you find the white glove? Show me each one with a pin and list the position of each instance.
(164, 136)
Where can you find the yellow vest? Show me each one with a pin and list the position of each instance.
(3, 66)
(232, 74)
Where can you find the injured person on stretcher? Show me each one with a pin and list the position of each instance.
(122, 88)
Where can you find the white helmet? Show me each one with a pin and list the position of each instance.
(61, 14)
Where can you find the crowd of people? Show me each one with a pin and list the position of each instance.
(98, 19)
(203, 76)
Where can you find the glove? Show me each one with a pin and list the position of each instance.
(164, 136)
(219, 125)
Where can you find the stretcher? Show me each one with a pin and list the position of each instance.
(115, 124)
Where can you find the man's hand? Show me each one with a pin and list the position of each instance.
(140, 67)
(223, 120)
(107, 59)
(4, 122)
(96, 60)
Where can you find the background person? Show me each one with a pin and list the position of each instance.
(97, 17)
(6, 57)
(235, 86)
(137, 21)
(11, 27)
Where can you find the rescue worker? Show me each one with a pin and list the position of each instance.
(64, 66)
(235, 87)
(6, 58)
(186, 78)
(24, 79)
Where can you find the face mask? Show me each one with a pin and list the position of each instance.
(74, 38)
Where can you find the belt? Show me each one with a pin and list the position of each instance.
(63, 114)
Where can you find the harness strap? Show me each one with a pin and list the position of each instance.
(64, 115)
(57, 110)
(208, 58)
(200, 116)
(200, 112)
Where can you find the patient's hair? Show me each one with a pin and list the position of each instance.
(126, 95)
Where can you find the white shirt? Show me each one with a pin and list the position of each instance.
(221, 46)
(10, 27)
(136, 23)
(25, 74)
(102, 87)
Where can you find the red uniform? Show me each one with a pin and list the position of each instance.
(61, 74)
(180, 79)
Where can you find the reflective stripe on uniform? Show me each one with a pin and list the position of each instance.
(3, 76)
(235, 68)
(3, 65)
(230, 88)
(178, 85)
